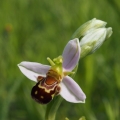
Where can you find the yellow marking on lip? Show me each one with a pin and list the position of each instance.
(36, 92)
(39, 86)
(42, 97)
(48, 91)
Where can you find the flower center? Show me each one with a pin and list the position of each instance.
(56, 70)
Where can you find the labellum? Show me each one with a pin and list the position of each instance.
(46, 88)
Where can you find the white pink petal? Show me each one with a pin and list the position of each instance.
(32, 69)
(71, 91)
(71, 54)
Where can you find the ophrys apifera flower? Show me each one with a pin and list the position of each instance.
(53, 80)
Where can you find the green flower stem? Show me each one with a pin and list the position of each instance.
(52, 108)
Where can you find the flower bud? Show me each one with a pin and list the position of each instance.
(93, 40)
(88, 26)
(92, 34)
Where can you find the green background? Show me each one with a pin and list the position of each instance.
(32, 30)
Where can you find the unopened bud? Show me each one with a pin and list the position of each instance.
(92, 34)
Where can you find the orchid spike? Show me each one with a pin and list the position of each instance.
(53, 80)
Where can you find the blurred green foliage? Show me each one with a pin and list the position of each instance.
(32, 30)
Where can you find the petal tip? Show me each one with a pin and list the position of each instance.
(18, 65)
(83, 98)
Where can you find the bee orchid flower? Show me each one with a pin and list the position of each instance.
(54, 80)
